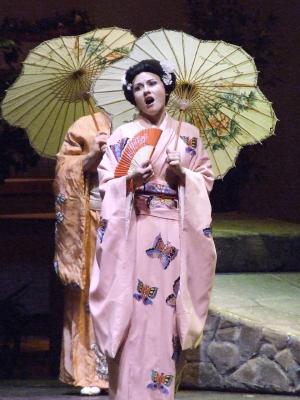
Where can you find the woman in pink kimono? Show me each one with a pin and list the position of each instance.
(77, 218)
(157, 255)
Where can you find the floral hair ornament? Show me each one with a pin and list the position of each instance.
(125, 83)
(168, 68)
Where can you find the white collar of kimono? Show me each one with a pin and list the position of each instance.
(144, 122)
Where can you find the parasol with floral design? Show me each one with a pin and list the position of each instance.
(53, 89)
(216, 91)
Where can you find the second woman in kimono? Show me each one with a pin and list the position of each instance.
(155, 256)
(78, 207)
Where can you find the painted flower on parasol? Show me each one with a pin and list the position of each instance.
(53, 88)
(216, 90)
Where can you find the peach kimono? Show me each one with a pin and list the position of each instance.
(77, 218)
(158, 257)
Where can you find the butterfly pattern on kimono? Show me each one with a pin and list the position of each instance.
(56, 267)
(191, 143)
(59, 217)
(160, 381)
(101, 229)
(171, 299)
(164, 251)
(60, 199)
(118, 147)
(207, 232)
(145, 293)
(176, 348)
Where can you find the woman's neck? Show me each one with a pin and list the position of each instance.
(156, 119)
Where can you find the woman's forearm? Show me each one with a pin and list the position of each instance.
(91, 161)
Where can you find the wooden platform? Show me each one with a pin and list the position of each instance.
(249, 244)
(52, 389)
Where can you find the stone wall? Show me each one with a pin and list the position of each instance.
(239, 356)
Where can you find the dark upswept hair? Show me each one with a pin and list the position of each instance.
(152, 66)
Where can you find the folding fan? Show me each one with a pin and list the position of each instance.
(137, 151)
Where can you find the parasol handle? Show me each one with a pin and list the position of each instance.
(178, 128)
(92, 113)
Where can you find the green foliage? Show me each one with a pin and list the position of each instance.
(16, 154)
(122, 50)
(239, 22)
(72, 23)
(219, 128)
(92, 45)
(11, 52)
(237, 102)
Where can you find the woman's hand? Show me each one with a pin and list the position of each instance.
(101, 142)
(141, 175)
(174, 161)
(93, 158)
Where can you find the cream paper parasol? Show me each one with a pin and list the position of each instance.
(53, 89)
(216, 91)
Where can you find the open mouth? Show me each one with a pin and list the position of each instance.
(149, 100)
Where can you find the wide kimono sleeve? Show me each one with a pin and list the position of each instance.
(112, 189)
(198, 259)
(111, 281)
(71, 205)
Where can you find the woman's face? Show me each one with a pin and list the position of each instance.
(149, 94)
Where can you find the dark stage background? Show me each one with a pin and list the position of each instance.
(265, 182)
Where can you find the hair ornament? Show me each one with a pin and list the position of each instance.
(123, 79)
(168, 68)
(125, 83)
(167, 79)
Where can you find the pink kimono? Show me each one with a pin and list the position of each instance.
(149, 295)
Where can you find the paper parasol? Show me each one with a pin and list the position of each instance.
(52, 90)
(216, 91)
